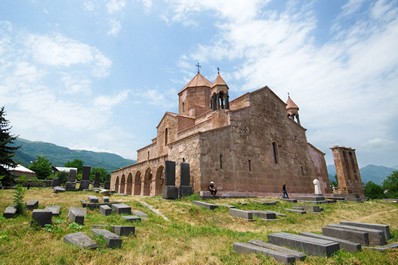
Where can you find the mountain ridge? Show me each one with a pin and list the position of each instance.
(59, 155)
(375, 173)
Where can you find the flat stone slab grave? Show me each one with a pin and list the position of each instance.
(42, 217)
(309, 208)
(112, 240)
(140, 214)
(93, 199)
(376, 237)
(58, 189)
(105, 199)
(123, 230)
(132, 218)
(105, 210)
(311, 246)
(81, 240)
(348, 246)
(347, 234)
(249, 214)
(382, 227)
(386, 247)
(280, 254)
(121, 208)
(55, 209)
(10, 212)
(296, 211)
(207, 205)
(32, 204)
(77, 214)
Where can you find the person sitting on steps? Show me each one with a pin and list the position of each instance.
(212, 189)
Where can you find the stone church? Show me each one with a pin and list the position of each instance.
(250, 145)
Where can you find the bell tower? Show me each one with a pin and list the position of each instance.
(292, 110)
(219, 93)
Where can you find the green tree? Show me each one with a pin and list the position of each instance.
(390, 184)
(7, 149)
(102, 171)
(77, 163)
(42, 167)
(18, 196)
(373, 191)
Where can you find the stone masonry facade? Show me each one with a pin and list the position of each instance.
(251, 145)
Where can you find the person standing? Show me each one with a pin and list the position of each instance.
(284, 191)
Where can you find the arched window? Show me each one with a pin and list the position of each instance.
(275, 151)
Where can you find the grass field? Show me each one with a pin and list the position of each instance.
(192, 234)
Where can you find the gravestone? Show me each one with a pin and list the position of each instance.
(58, 189)
(185, 188)
(121, 208)
(85, 181)
(55, 209)
(112, 240)
(381, 227)
(93, 199)
(10, 212)
(32, 204)
(41, 217)
(132, 218)
(123, 230)
(170, 189)
(81, 240)
(71, 183)
(317, 187)
(207, 205)
(96, 183)
(77, 215)
(348, 246)
(55, 182)
(107, 183)
(105, 210)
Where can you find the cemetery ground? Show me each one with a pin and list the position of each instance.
(190, 235)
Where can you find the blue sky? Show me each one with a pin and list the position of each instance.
(99, 75)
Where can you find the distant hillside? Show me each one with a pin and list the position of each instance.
(368, 173)
(59, 155)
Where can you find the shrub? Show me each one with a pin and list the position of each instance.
(18, 196)
(373, 191)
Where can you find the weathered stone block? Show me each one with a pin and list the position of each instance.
(140, 214)
(280, 256)
(296, 210)
(268, 215)
(10, 212)
(132, 218)
(112, 239)
(170, 173)
(81, 240)
(77, 215)
(347, 234)
(184, 191)
(344, 244)
(121, 208)
(42, 217)
(207, 205)
(55, 209)
(123, 230)
(376, 237)
(32, 204)
(93, 199)
(248, 215)
(312, 246)
(381, 227)
(170, 192)
(105, 210)
(70, 186)
(58, 189)
(86, 172)
(105, 199)
(84, 184)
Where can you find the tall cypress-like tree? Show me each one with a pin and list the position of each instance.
(7, 149)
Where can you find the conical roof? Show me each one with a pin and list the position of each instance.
(290, 104)
(219, 81)
(197, 81)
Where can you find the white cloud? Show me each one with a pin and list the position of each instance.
(110, 101)
(147, 5)
(115, 6)
(114, 27)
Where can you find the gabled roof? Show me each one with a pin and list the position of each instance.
(290, 104)
(197, 81)
(20, 168)
(219, 81)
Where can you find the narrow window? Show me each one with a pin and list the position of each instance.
(183, 107)
(166, 132)
(302, 170)
(250, 165)
(148, 155)
(220, 161)
(275, 150)
(183, 159)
